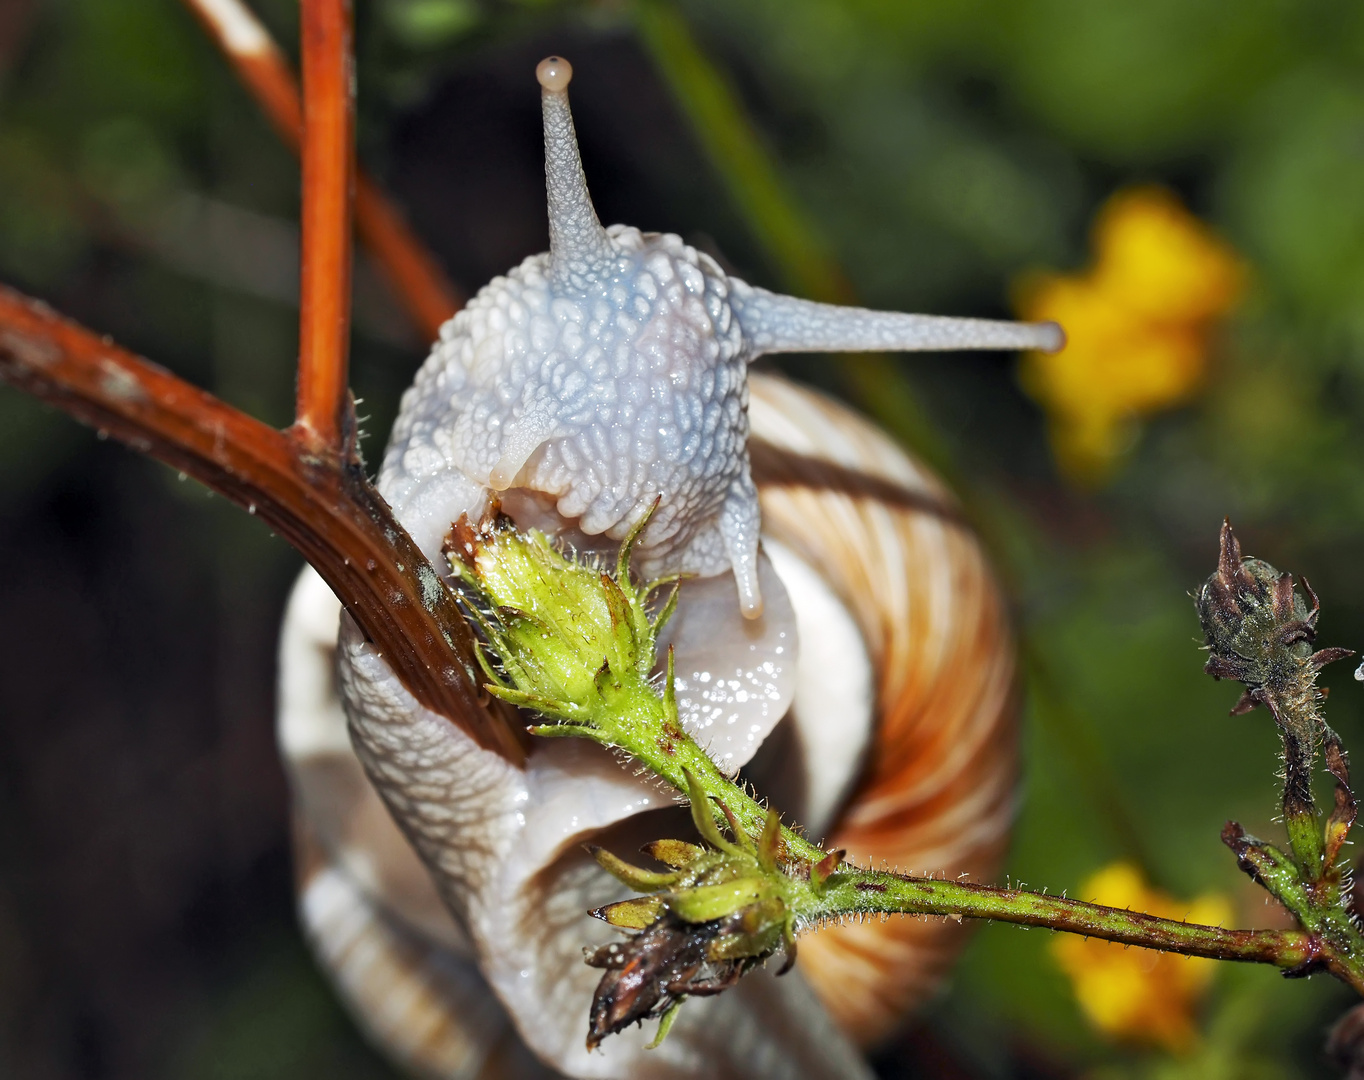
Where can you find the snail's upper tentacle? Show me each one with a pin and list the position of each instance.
(610, 372)
(773, 323)
(580, 250)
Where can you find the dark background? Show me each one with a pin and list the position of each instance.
(932, 153)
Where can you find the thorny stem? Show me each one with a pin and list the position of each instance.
(310, 490)
(306, 483)
(417, 279)
(871, 891)
(315, 496)
(851, 891)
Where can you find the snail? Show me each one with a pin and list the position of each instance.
(839, 637)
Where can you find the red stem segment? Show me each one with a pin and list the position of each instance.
(328, 183)
(324, 507)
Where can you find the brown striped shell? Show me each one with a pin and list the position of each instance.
(936, 792)
(933, 793)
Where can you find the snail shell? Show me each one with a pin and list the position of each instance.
(583, 386)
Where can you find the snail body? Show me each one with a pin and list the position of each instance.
(588, 385)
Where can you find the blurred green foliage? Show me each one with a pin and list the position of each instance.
(914, 154)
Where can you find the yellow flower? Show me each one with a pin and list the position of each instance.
(1134, 994)
(1137, 325)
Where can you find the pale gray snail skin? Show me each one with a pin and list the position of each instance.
(585, 385)
(611, 370)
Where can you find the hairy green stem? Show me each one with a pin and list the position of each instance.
(578, 646)
(591, 670)
(851, 891)
(871, 891)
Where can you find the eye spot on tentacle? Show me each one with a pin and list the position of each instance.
(554, 73)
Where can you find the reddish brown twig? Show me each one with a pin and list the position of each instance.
(328, 171)
(324, 508)
(306, 483)
(417, 278)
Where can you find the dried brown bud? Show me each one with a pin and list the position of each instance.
(1259, 631)
(1253, 618)
(667, 961)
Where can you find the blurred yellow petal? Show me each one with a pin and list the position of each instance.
(1137, 327)
(1162, 260)
(1139, 995)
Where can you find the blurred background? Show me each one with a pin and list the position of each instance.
(1179, 181)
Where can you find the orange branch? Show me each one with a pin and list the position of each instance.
(416, 277)
(328, 180)
(324, 508)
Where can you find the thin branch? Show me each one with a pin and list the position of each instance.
(328, 171)
(427, 294)
(855, 891)
(324, 508)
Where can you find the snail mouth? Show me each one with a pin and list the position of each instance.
(531, 509)
(735, 677)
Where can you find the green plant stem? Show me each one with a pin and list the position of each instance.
(871, 891)
(1304, 828)
(851, 891)
(578, 646)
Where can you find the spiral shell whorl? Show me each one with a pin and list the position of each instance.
(938, 787)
